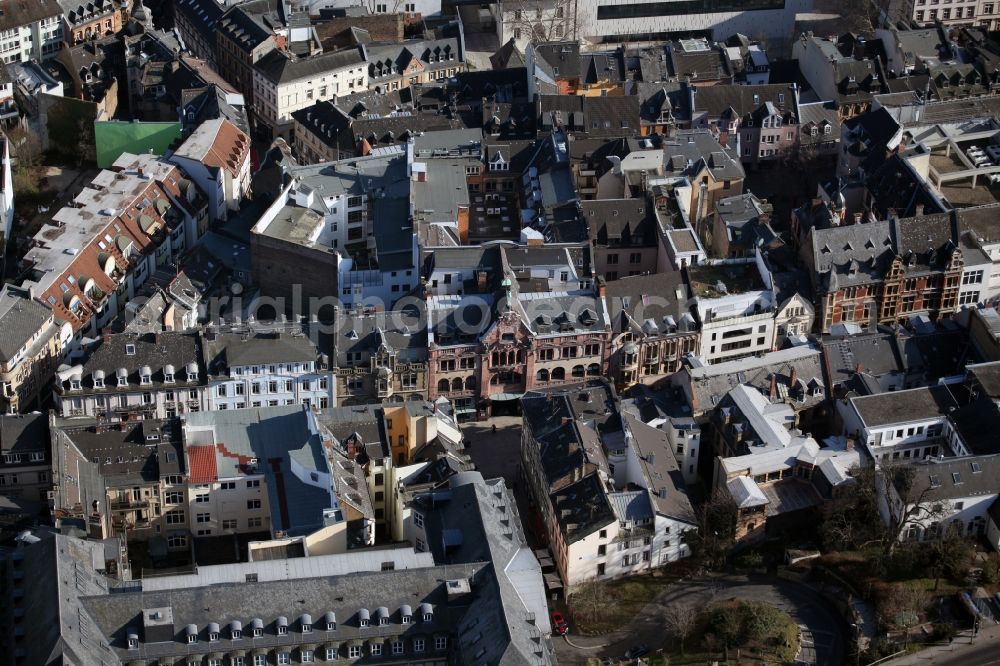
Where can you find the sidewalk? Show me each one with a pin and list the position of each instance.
(962, 645)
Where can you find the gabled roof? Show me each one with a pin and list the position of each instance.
(916, 404)
(714, 101)
(21, 318)
(217, 143)
(953, 478)
(279, 67)
(561, 60)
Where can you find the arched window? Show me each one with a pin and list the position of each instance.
(470, 383)
(495, 380)
(558, 374)
(593, 370)
(578, 371)
(456, 384)
(443, 386)
(542, 375)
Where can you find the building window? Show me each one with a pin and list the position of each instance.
(440, 643)
(253, 504)
(397, 647)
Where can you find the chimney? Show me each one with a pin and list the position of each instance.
(139, 171)
(565, 420)
(919, 209)
(105, 334)
(859, 49)
(792, 377)
(857, 218)
(31, 292)
(850, 444)
(859, 368)
(774, 385)
(601, 286)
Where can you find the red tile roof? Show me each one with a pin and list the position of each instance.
(201, 463)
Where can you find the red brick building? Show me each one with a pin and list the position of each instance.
(883, 272)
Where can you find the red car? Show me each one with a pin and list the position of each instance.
(559, 625)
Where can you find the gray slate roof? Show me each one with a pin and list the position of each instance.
(281, 68)
(20, 319)
(884, 409)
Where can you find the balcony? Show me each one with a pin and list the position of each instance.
(130, 504)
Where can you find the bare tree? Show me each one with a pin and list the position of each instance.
(716, 530)
(680, 622)
(26, 154)
(590, 600)
(539, 20)
(901, 605)
(908, 503)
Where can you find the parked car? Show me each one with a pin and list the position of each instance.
(559, 624)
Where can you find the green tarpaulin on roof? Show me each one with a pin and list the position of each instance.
(114, 137)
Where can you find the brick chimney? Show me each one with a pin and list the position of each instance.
(792, 377)
(774, 385)
(859, 368)
(105, 334)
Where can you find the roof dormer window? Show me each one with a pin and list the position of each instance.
(130, 350)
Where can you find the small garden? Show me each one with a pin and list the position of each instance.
(747, 630)
(603, 606)
(735, 631)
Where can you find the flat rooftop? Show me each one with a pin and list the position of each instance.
(719, 280)
(295, 224)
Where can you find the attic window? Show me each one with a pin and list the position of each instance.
(956, 477)
(976, 468)
(935, 481)
(130, 350)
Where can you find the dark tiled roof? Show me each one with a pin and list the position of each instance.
(153, 351)
(902, 406)
(246, 30)
(628, 222)
(703, 65)
(18, 13)
(561, 59)
(280, 68)
(202, 14)
(24, 432)
(716, 101)
(594, 116)
(937, 480)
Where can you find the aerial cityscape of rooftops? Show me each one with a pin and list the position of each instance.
(582, 332)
